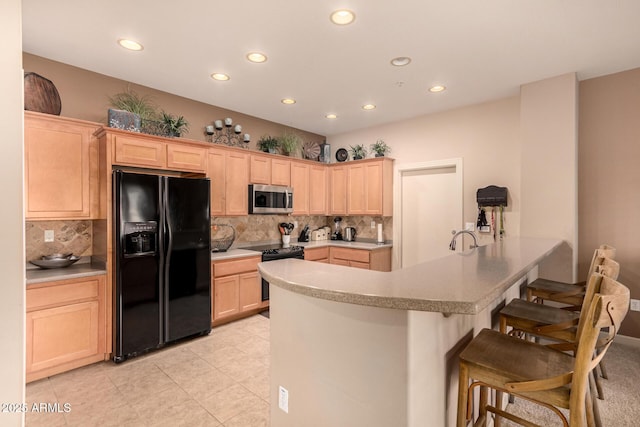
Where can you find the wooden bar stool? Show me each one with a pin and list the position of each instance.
(567, 293)
(540, 374)
(526, 318)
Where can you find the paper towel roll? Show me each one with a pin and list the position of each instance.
(380, 238)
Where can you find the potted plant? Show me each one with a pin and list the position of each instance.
(290, 143)
(380, 148)
(268, 144)
(358, 152)
(174, 125)
(130, 101)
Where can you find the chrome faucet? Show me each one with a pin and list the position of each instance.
(452, 245)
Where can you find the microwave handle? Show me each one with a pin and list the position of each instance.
(286, 198)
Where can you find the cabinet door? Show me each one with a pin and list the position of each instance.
(237, 185)
(280, 172)
(356, 194)
(216, 173)
(186, 157)
(300, 184)
(139, 152)
(373, 188)
(226, 301)
(58, 169)
(260, 169)
(61, 335)
(317, 190)
(338, 194)
(250, 291)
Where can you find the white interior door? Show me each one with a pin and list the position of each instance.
(431, 206)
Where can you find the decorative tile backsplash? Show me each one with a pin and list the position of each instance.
(253, 229)
(69, 236)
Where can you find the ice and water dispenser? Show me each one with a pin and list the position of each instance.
(141, 238)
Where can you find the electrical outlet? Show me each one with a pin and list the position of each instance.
(48, 236)
(373, 224)
(635, 305)
(283, 399)
(469, 226)
(295, 224)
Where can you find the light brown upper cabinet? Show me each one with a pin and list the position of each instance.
(317, 190)
(157, 152)
(270, 170)
(61, 167)
(338, 190)
(229, 174)
(370, 187)
(300, 184)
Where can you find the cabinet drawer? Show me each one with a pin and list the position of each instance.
(359, 255)
(55, 295)
(184, 157)
(236, 266)
(138, 152)
(316, 254)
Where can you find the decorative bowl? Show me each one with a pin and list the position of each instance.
(55, 262)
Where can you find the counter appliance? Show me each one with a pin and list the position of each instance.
(162, 259)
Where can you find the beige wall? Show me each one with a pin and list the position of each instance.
(548, 169)
(486, 136)
(85, 95)
(12, 285)
(609, 176)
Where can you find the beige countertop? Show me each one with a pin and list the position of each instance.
(83, 268)
(463, 282)
(341, 243)
(234, 253)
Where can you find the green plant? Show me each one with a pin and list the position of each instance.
(130, 101)
(290, 143)
(380, 148)
(174, 125)
(358, 151)
(267, 143)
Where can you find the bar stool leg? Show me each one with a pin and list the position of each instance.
(463, 396)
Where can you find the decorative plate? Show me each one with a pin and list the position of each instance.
(311, 150)
(341, 155)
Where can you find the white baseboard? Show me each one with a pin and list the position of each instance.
(624, 339)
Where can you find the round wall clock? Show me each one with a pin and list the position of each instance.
(341, 155)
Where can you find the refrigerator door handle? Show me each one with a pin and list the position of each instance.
(168, 251)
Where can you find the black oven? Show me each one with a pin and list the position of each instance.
(274, 253)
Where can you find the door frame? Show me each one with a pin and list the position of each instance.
(456, 162)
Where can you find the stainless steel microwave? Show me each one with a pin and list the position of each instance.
(270, 199)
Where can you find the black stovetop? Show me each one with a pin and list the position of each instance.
(276, 251)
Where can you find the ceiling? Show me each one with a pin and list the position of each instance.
(479, 49)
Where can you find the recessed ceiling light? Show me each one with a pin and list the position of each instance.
(342, 17)
(288, 101)
(437, 88)
(368, 107)
(256, 57)
(130, 44)
(401, 61)
(331, 116)
(220, 77)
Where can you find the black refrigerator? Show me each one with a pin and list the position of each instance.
(163, 258)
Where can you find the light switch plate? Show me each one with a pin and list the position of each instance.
(283, 399)
(49, 236)
(635, 305)
(469, 226)
(373, 224)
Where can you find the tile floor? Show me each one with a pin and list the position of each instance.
(218, 380)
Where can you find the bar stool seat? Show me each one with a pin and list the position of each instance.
(540, 320)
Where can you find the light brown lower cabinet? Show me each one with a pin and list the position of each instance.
(317, 254)
(237, 289)
(377, 259)
(65, 325)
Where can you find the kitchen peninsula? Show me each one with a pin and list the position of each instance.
(366, 348)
